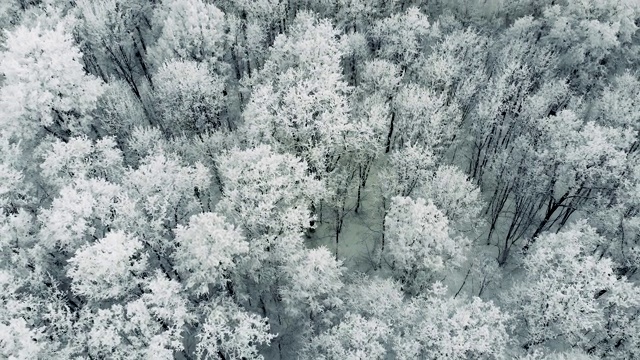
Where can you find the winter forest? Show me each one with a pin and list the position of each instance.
(320, 179)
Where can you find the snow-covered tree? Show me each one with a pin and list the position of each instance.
(187, 98)
(191, 30)
(208, 252)
(354, 338)
(299, 101)
(589, 36)
(456, 196)
(408, 168)
(45, 89)
(456, 68)
(229, 332)
(266, 192)
(419, 242)
(81, 158)
(315, 281)
(381, 322)
(251, 28)
(166, 192)
(83, 210)
(436, 326)
(400, 38)
(108, 268)
(19, 341)
(570, 295)
(118, 110)
(618, 103)
(17, 189)
(115, 36)
(148, 327)
(421, 118)
(171, 172)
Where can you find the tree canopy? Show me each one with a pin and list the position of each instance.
(352, 179)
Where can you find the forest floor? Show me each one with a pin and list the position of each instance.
(359, 245)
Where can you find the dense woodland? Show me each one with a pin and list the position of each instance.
(316, 179)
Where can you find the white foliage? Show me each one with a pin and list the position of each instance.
(19, 341)
(380, 76)
(355, 338)
(164, 189)
(375, 297)
(369, 132)
(569, 292)
(80, 158)
(266, 192)
(574, 354)
(382, 323)
(419, 243)
(436, 326)
(14, 187)
(233, 332)
(408, 168)
(191, 30)
(118, 110)
(299, 102)
(208, 252)
(165, 300)
(586, 152)
(145, 140)
(401, 36)
(456, 66)
(423, 118)
(150, 327)
(454, 194)
(187, 97)
(106, 269)
(314, 283)
(73, 214)
(103, 339)
(44, 81)
(16, 234)
(618, 105)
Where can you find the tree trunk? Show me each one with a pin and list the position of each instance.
(390, 134)
(338, 229)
